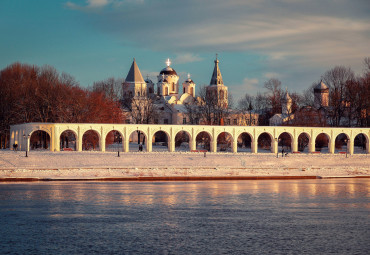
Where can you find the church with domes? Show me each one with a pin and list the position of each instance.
(169, 98)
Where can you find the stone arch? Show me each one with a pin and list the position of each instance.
(224, 142)
(265, 142)
(285, 142)
(304, 140)
(244, 141)
(114, 141)
(39, 140)
(182, 141)
(361, 144)
(322, 143)
(91, 140)
(68, 140)
(203, 140)
(137, 138)
(341, 143)
(160, 141)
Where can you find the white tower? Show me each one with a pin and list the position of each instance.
(134, 85)
(189, 86)
(286, 104)
(321, 94)
(168, 81)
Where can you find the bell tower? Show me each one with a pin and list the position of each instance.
(216, 88)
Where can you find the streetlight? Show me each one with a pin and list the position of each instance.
(118, 140)
(346, 141)
(277, 146)
(24, 137)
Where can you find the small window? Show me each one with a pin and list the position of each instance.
(184, 90)
(235, 122)
(184, 121)
(228, 121)
(165, 121)
(196, 121)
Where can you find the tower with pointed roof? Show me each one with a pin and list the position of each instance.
(216, 88)
(321, 94)
(134, 85)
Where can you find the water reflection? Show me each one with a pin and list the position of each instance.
(175, 193)
(229, 217)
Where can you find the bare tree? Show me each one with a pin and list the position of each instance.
(274, 94)
(111, 87)
(336, 79)
(246, 105)
(193, 112)
(141, 109)
(206, 105)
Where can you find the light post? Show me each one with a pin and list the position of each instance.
(346, 141)
(118, 139)
(277, 147)
(26, 137)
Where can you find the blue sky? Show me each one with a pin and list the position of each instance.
(295, 41)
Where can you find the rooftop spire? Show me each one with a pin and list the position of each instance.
(216, 76)
(134, 75)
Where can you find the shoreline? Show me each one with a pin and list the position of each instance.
(172, 178)
(179, 166)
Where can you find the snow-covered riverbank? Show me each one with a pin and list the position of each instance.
(87, 165)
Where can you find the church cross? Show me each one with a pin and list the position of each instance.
(168, 62)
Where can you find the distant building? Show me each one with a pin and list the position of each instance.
(286, 114)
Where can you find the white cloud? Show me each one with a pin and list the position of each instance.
(186, 58)
(293, 35)
(270, 75)
(97, 3)
(278, 29)
(89, 4)
(248, 85)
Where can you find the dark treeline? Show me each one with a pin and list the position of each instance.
(40, 94)
(349, 99)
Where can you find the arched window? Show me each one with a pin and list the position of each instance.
(173, 86)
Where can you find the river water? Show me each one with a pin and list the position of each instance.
(320, 216)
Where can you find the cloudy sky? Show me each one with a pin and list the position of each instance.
(295, 41)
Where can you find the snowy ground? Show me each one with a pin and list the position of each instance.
(71, 164)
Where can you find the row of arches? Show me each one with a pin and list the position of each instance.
(40, 140)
